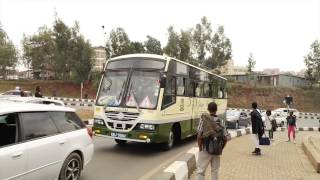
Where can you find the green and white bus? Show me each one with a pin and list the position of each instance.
(154, 99)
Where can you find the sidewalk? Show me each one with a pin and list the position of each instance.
(280, 161)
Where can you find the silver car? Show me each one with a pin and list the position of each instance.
(235, 119)
(41, 142)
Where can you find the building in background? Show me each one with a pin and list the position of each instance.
(230, 69)
(99, 58)
(283, 80)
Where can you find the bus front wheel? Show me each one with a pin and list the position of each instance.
(169, 144)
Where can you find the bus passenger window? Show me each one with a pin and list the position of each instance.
(169, 96)
(199, 89)
(190, 88)
(181, 86)
(206, 90)
(220, 93)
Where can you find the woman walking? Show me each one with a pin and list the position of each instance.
(291, 122)
(268, 124)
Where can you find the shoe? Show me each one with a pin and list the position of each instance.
(258, 153)
(288, 140)
(294, 141)
(255, 151)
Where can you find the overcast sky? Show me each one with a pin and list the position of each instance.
(277, 32)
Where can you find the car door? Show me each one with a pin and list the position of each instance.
(44, 146)
(13, 157)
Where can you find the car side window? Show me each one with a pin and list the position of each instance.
(66, 121)
(37, 125)
(9, 129)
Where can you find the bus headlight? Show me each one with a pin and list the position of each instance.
(150, 127)
(99, 122)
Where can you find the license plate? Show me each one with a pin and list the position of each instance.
(119, 135)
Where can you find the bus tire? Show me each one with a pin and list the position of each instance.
(120, 142)
(170, 141)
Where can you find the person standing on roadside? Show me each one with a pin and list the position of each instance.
(291, 122)
(38, 92)
(257, 127)
(268, 124)
(209, 123)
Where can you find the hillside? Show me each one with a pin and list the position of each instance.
(239, 95)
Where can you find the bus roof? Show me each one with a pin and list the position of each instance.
(163, 57)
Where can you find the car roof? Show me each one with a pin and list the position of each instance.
(10, 107)
(29, 98)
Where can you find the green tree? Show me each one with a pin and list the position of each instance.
(172, 48)
(251, 63)
(185, 43)
(8, 53)
(136, 47)
(220, 49)
(62, 55)
(153, 46)
(201, 39)
(312, 61)
(38, 50)
(82, 52)
(118, 43)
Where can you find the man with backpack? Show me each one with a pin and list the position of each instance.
(257, 128)
(212, 138)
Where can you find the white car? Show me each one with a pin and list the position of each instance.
(281, 114)
(40, 142)
(15, 93)
(34, 100)
(234, 119)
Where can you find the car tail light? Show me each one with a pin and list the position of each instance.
(89, 132)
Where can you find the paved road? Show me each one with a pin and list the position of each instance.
(131, 161)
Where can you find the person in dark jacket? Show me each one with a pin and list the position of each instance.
(257, 127)
(38, 92)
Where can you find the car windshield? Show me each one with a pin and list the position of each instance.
(112, 88)
(143, 89)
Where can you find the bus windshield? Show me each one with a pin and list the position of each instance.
(112, 88)
(143, 89)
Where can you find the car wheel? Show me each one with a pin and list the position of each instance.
(169, 144)
(120, 142)
(71, 168)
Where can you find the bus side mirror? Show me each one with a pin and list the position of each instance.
(163, 81)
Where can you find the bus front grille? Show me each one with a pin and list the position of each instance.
(124, 116)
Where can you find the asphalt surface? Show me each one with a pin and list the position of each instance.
(131, 161)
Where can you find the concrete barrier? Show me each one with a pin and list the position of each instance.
(312, 152)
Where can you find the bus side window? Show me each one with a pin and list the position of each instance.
(169, 96)
(191, 88)
(206, 90)
(199, 89)
(181, 86)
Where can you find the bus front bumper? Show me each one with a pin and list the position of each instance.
(134, 135)
(126, 139)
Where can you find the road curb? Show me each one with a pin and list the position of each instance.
(311, 152)
(185, 165)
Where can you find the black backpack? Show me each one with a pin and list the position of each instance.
(215, 143)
